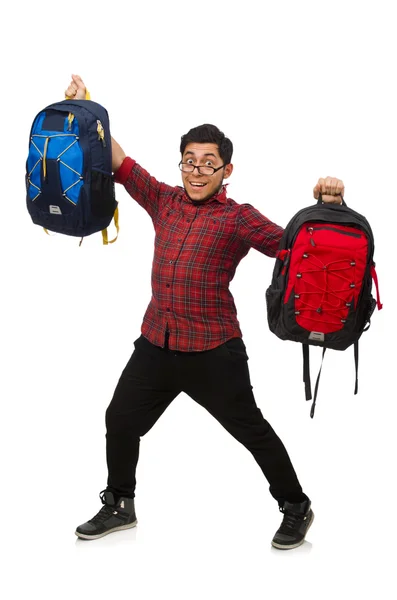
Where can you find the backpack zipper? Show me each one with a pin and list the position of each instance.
(101, 133)
(311, 229)
(334, 229)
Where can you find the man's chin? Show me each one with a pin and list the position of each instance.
(204, 197)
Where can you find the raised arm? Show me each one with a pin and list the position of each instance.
(77, 91)
(144, 188)
(257, 231)
(262, 234)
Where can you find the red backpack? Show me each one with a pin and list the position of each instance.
(320, 293)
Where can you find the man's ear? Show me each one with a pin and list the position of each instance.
(228, 171)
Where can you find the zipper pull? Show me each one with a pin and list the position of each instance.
(70, 121)
(101, 133)
(310, 230)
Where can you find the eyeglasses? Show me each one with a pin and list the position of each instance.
(202, 169)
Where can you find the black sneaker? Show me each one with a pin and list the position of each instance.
(296, 522)
(113, 516)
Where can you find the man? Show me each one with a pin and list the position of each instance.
(191, 339)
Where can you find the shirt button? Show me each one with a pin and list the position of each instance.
(168, 309)
(188, 220)
(179, 239)
(171, 262)
(168, 285)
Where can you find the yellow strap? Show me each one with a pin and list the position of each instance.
(44, 157)
(116, 224)
(71, 115)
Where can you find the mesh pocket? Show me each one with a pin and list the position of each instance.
(103, 200)
(273, 303)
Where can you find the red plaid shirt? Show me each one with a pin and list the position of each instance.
(197, 250)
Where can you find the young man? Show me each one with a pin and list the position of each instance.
(191, 339)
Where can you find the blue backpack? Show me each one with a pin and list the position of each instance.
(69, 182)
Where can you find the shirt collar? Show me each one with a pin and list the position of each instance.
(221, 196)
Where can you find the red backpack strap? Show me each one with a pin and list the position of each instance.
(375, 278)
(284, 255)
(281, 254)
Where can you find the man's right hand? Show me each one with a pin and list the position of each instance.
(77, 91)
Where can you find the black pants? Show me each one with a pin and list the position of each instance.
(219, 381)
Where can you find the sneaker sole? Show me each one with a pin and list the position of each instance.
(86, 536)
(292, 546)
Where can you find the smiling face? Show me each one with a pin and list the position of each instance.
(201, 187)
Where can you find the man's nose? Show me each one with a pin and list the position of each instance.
(198, 169)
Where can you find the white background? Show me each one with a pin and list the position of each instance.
(304, 90)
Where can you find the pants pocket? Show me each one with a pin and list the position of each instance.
(236, 348)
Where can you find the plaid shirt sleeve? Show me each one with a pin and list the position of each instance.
(257, 231)
(142, 187)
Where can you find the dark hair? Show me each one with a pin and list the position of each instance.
(209, 134)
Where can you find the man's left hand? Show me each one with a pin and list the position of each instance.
(331, 190)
